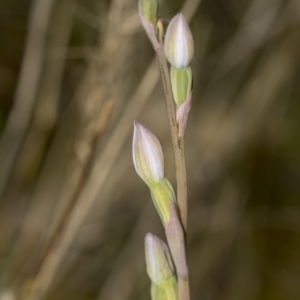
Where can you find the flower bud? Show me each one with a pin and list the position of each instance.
(158, 259)
(148, 157)
(148, 9)
(179, 43)
(181, 81)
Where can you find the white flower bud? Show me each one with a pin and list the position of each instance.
(148, 157)
(179, 43)
(158, 259)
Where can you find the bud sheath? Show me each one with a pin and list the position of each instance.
(167, 290)
(162, 195)
(148, 9)
(181, 81)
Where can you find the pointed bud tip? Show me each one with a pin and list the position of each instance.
(179, 18)
(139, 127)
(149, 236)
(136, 123)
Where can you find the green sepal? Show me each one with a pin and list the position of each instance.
(181, 81)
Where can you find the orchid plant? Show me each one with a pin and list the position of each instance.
(166, 263)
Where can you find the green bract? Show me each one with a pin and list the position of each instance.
(162, 194)
(166, 290)
(148, 9)
(181, 81)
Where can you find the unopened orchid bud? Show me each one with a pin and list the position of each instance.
(148, 161)
(148, 9)
(148, 157)
(179, 43)
(181, 81)
(158, 259)
(160, 269)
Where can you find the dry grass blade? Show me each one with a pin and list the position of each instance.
(19, 118)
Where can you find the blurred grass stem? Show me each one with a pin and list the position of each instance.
(19, 118)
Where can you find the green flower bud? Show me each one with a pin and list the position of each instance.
(179, 43)
(149, 9)
(158, 259)
(148, 157)
(181, 81)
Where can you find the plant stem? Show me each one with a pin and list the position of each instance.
(178, 143)
(178, 147)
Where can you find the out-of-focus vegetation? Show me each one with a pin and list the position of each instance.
(74, 75)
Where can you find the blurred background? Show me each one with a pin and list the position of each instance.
(74, 74)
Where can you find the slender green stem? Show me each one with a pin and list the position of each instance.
(178, 145)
